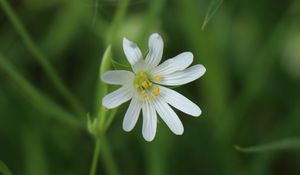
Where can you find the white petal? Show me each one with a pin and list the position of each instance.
(177, 63)
(140, 66)
(132, 51)
(156, 46)
(184, 76)
(132, 113)
(118, 77)
(117, 97)
(168, 116)
(180, 102)
(149, 121)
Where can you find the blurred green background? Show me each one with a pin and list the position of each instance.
(249, 95)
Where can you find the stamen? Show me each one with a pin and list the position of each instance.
(145, 84)
(156, 91)
(143, 75)
(143, 94)
(156, 78)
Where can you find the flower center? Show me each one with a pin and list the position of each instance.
(145, 86)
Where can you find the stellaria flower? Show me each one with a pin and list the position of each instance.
(144, 86)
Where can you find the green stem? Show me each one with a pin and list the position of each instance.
(95, 156)
(110, 118)
(41, 58)
(34, 152)
(152, 16)
(103, 67)
(4, 169)
(108, 159)
(120, 13)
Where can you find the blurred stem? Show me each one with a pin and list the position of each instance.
(34, 153)
(110, 117)
(219, 77)
(262, 66)
(117, 20)
(95, 157)
(37, 98)
(151, 17)
(262, 162)
(156, 153)
(4, 169)
(103, 124)
(284, 144)
(41, 58)
(59, 36)
(108, 159)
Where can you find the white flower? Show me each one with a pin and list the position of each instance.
(144, 87)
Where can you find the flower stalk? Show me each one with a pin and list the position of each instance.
(98, 126)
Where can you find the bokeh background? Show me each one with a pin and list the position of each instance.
(249, 95)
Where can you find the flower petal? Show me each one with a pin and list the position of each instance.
(177, 63)
(117, 97)
(156, 46)
(140, 66)
(132, 51)
(168, 116)
(118, 77)
(149, 121)
(180, 102)
(132, 113)
(184, 76)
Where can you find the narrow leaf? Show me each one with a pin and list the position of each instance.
(290, 143)
(102, 89)
(212, 9)
(106, 61)
(37, 98)
(4, 169)
(104, 66)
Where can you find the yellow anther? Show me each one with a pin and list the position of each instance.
(143, 94)
(143, 75)
(149, 84)
(156, 91)
(145, 84)
(156, 78)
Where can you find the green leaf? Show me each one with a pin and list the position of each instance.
(104, 67)
(98, 124)
(4, 169)
(91, 124)
(106, 61)
(103, 88)
(212, 9)
(289, 143)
